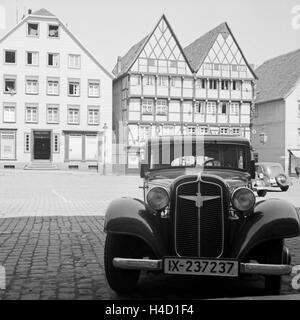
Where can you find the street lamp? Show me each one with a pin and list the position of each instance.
(105, 127)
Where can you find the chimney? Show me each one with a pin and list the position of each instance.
(29, 11)
(119, 65)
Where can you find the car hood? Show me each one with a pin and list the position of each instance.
(165, 178)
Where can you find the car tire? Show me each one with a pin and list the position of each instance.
(274, 255)
(284, 189)
(261, 193)
(120, 280)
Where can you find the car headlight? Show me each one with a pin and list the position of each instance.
(243, 199)
(261, 175)
(281, 179)
(158, 198)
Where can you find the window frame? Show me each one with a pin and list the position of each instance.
(162, 106)
(9, 77)
(75, 55)
(32, 106)
(58, 30)
(53, 79)
(4, 57)
(12, 132)
(47, 57)
(9, 105)
(31, 78)
(74, 80)
(26, 59)
(52, 106)
(94, 81)
(38, 29)
(88, 113)
(146, 112)
(75, 107)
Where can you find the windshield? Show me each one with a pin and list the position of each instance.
(274, 170)
(211, 155)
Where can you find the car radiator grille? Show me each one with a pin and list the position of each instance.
(199, 227)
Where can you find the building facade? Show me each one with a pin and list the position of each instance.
(276, 121)
(163, 89)
(56, 98)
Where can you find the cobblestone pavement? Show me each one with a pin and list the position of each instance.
(51, 242)
(62, 258)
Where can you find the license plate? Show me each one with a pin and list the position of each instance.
(207, 267)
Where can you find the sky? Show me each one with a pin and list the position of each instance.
(108, 28)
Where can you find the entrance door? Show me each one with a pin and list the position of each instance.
(75, 147)
(42, 145)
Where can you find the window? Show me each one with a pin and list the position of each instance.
(52, 113)
(173, 64)
(224, 130)
(243, 68)
(203, 130)
(208, 66)
(169, 130)
(223, 108)
(224, 84)
(74, 61)
(199, 107)
(213, 84)
(236, 85)
(31, 115)
(94, 88)
(211, 108)
(10, 84)
(234, 68)
(9, 112)
(10, 56)
(176, 82)
(236, 131)
(161, 107)
(73, 115)
(225, 67)
(53, 86)
(8, 145)
(74, 88)
(234, 109)
(32, 85)
(32, 58)
(27, 142)
(56, 142)
(33, 29)
(191, 130)
(93, 115)
(53, 60)
(53, 31)
(148, 81)
(147, 106)
(162, 81)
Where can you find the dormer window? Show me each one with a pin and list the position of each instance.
(53, 31)
(33, 29)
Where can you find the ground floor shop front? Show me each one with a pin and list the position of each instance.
(82, 150)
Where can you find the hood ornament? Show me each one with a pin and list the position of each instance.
(199, 199)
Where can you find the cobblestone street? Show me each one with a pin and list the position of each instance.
(51, 243)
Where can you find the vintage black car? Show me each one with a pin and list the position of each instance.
(270, 175)
(199, 216)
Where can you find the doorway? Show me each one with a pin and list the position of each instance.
(41, 145)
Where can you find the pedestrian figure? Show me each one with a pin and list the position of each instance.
(297, 169)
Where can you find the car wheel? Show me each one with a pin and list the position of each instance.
(120, 280)
(261, 193)
(284, 188)
(274, 255)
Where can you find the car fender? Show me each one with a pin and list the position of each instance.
(271, 219)
(134, 217)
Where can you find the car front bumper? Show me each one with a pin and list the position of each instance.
(244, 268)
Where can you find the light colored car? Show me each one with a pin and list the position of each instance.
(270, 175)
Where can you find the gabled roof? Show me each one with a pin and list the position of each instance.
(130, 57)
(278, 77)
(44, 12)
(197, 51)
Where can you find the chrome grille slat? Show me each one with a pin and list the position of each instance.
(196, 236)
